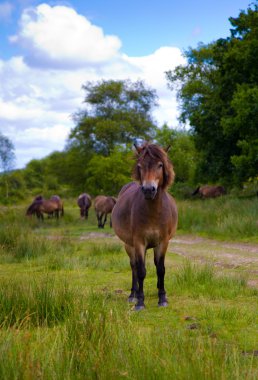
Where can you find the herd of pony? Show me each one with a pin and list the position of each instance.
(143, 216)
(54, 207)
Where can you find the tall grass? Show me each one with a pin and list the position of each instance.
(30, 301)
(199, 280)
(223, 217)
(18, 241)
(106, 257)
(104, 341)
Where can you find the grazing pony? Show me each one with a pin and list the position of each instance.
(145, 216)
(41, 206)
(84, 202)
(103, 206)
(209, 191)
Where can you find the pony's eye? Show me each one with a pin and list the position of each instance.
(160, 165)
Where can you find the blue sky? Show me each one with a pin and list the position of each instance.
(48, 49)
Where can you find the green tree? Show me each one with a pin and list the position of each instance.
(107, 174)
(117, 113)
(218, 94)
(182, 152)
(7, 158)
(34, 175)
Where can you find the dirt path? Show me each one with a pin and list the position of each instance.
(231, 256)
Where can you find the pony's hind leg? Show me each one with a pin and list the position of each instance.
(159, 260)
(105, 219)
(99, 217)
(131, 253)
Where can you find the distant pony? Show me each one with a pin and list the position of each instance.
(103, 206)
(145, 216)
(84, 202)
(41, 206)
(209, 191)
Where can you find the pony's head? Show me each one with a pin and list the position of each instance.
(32, 209)
(153, 169)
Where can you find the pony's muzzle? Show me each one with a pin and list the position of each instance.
(149, 191)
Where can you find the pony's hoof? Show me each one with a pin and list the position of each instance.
(139, 307)
(132, 299)
(163, 304)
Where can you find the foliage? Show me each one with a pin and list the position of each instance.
(107, 175)
(182, 152)
(218, 91)
(7, 155)
(16, 184)
(7, 158)
(117, 113)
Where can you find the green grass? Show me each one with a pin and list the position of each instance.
(64, 311)
(225, 218)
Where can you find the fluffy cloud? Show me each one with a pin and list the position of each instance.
(36, 102)
(60, 37)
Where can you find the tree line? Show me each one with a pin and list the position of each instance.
(218, 93)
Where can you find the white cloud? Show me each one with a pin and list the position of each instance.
(59, 37)
(36, 103)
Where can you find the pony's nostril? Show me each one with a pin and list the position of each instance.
(148, 189)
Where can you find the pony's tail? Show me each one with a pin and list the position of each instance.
(196, 190)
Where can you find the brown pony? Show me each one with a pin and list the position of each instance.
(38, 207)
(208, 191)
(103, 206)
(59, 202)
(84, 202)
(145, 216)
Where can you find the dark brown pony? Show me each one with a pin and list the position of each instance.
(145, 216)
(38, 207)
(84, 202)
(103, 206)
(209, 191)
(59, 202)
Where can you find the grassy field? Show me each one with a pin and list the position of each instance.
(64, 311)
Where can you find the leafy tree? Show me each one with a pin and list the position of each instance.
(17, 186)
(182, 152)
(107, 174)
(7, 155)
(34, 175)
(117, 113)
(7, 158)
(218, 93)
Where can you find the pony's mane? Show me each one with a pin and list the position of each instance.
(156, 153)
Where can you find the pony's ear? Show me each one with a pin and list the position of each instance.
(138, 148)
(167, 148)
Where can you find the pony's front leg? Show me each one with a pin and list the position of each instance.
(159, 260)
(141, 273)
